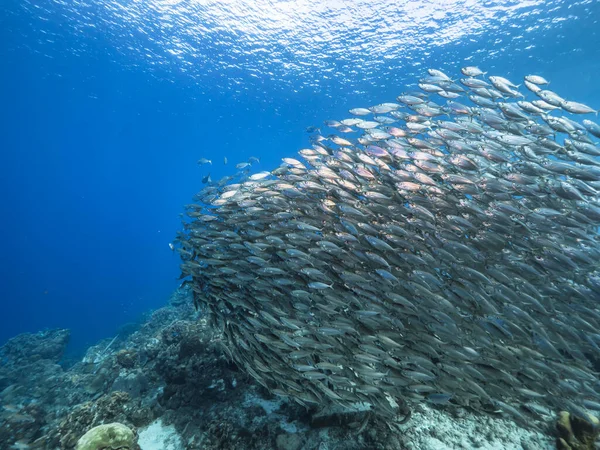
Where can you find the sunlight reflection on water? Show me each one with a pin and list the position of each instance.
(303, 42)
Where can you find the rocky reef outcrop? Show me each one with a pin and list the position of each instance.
(110, 435)
(170, 375)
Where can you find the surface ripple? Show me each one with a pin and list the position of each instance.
(300, 44)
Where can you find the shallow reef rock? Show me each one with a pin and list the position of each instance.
(576, 433)
(108, 436)
(172, 384)
(29, 347)
(32, 384)
(29, 355)
(127, 358)
(116, 407)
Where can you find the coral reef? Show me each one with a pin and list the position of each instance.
(28, 348)
(575, 432)
(114, 436)
(114, 407)
(127, 358)
(30, 380)
(171, 383)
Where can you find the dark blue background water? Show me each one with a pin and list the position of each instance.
(107, 106)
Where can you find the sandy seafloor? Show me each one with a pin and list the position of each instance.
(168, 379)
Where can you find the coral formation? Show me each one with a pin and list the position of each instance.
(575, 432)
(115, 407)
(172, 371)
(27, 347)
(113, 436)
(127, 358)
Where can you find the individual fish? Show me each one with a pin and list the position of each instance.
(360, 111)
(536, 79)
(496, 80)
(439, 398)
(439, 74)
(259, 175)
(544, 105)
(533, 87)
(530, 107)
(550, 97)
(447, 94)
(472, 71)
(577, 108)
(505, 86)
(21, 445)
(203, 161)
(11, 408)
(383, 108)
(428, 87)
(592, 127)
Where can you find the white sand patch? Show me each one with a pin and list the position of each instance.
(430, 429)
(269, 406)
(157, 436)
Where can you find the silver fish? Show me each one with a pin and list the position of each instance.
(449, 258)
(472, 71)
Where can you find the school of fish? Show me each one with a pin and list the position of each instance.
(441, 248)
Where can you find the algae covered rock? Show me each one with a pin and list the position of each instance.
(576, 433)
(30, 347)
(118, 407)
(111, 436)
(127, 358)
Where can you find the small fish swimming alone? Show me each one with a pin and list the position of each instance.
(225, 160)
(203, 161)
(444, 251)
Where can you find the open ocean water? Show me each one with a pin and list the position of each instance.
(108, 105)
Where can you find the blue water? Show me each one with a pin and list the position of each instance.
(107, 106)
